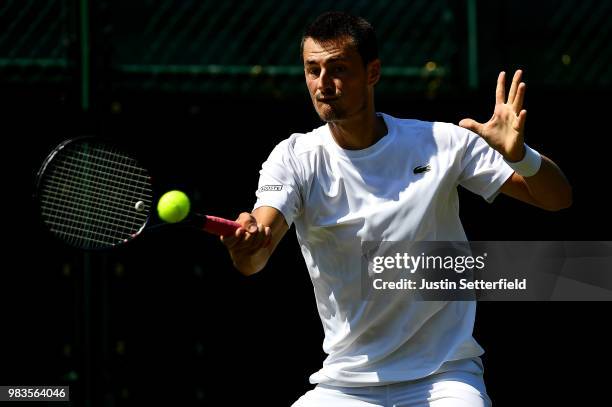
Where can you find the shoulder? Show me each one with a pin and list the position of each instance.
(299, 144)
(442, 134)
(407, 125)
(297, 153)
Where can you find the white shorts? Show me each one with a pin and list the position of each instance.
(449, 389)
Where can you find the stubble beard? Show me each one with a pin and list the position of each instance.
(331, 114)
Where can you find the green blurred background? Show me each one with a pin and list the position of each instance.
(203, 90)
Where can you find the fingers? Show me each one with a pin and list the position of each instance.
(500, 91)
(268, 236)
(517, 104)
(248, 222)
(516, 95)
(522, 117)
(472, 125)
(250, 237)
(230, 241)
(514, 87)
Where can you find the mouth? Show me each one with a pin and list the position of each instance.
(327, 100)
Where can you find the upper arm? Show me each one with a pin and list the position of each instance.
(280, 184)
(272, 217)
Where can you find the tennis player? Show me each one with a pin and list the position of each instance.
(368, 176)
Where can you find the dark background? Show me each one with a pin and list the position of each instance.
(191, 86)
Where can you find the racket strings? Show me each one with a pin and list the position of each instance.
(94, 196)
(120, 173)
(56, 209)
(103, 180)
(132, 172)
(79, 222)
(97, 187)
(81, 199)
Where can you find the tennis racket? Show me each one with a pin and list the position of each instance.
(93, 195)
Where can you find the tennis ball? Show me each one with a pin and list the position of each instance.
(173, 206)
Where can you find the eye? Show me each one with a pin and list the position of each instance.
(314, 72)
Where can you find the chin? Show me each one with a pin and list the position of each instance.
(330, 115)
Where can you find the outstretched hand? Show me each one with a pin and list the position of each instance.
(504, 131)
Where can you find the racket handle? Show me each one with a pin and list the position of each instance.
(219, 226)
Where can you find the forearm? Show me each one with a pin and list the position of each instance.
(250, 263)
(548, 187)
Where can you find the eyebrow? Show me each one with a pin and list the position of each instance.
(332, 59)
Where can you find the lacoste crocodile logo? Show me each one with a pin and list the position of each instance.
(421, 168)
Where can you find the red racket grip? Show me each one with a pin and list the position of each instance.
(219, 226)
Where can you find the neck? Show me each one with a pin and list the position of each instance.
(360, 131)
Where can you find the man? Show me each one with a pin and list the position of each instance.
(367, 176)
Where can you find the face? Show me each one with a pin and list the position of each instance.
(340, 86)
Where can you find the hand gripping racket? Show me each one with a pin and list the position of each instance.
(92, 195)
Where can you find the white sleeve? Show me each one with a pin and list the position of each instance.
(483, 169)
(279, 182)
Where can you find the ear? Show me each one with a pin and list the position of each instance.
(373, 71)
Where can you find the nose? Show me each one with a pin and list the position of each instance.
(325, 85)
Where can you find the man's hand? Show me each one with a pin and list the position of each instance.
(548, 188)
(504, 131)
(253, 243)
(247, 242)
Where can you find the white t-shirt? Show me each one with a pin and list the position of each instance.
(338, 198)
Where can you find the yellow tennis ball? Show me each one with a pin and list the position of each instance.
(173, 206)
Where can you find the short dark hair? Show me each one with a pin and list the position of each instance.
(333, 25)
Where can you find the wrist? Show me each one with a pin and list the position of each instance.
(517, 155)
(529, 165)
